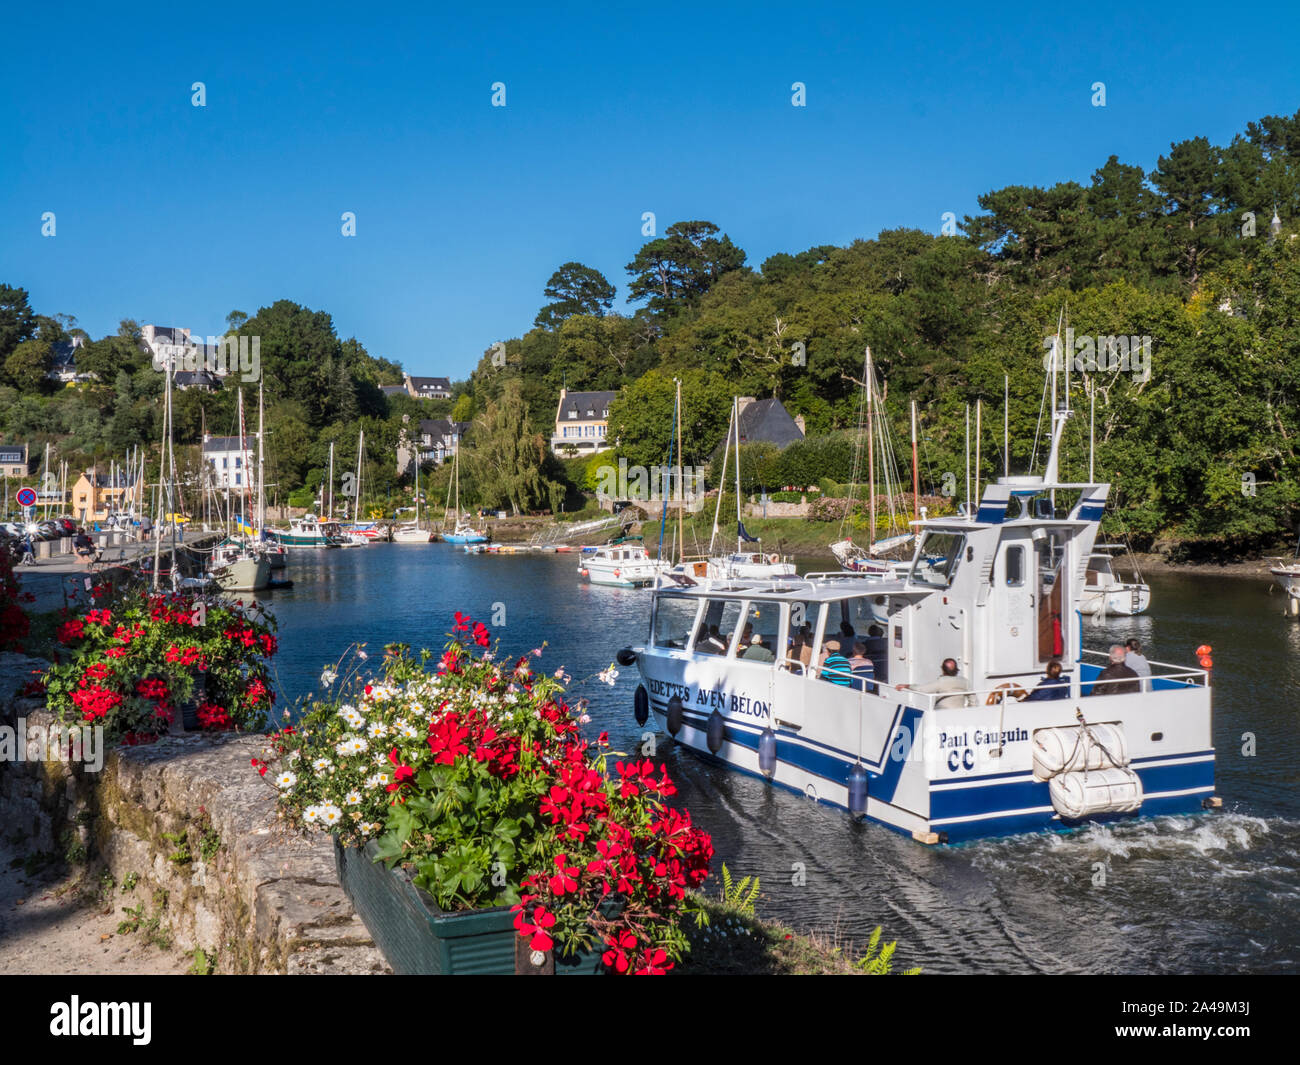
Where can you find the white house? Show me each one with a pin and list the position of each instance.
(581, 422)
(231, 467)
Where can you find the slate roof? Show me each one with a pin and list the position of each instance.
(430, 384)
(767, 420)
(582, 402)
(228, 443)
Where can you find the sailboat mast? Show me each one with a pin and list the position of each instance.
(329, 514)
(722, 480)
(1092, 435)
(735, 411)
(871, 447)
(1006, 425)
(361, 450)
(916, 473)
(243, 505)
(261, 463)
(681, 540)
(979, 407)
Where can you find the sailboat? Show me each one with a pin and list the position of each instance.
(852, 557)
(744, 562)
(412, 533)
(463, 532)
(235, 565)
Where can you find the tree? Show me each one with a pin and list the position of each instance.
(574, 289)
(28, 364)
(675, 270)
(1185, 179)
(641, 418)
(17, 321)
(505, 459)
(464, 410)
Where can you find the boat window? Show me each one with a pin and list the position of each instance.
(937, 559)
(1015, 565)
(759, 630)
(717, 626)
(673, 621)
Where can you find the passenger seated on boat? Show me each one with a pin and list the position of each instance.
(803, 644)
(746, 634)
(863, 669)
(1052, 685)
(757, 652)
(1116, 678)
(714, 643)
(951, 682)
(835, 667)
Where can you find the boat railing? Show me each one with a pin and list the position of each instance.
(1007, 691)
(1161, 671)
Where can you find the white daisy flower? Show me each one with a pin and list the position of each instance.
(353, 798)
(311, 815)
(328, 677)
(321, 764)
(286, 780)
(377, 730)
(408, 731)
(330, 815)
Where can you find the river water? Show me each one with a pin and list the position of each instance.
(1215, 893)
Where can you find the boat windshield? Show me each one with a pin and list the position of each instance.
(673, 621)
(937, 559)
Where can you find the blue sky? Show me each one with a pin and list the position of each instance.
(175, 214)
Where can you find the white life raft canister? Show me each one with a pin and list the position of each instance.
(1068, 749)
(1076, 796)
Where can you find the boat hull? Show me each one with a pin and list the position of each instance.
(931, 773)
(245, 575)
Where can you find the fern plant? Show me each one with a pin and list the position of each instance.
(880, 964)
(742, 896)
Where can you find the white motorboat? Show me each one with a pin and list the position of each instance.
(623, 565)
(1104, 593)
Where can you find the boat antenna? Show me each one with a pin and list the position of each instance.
(1006, 425)
(916, 475)
(967, 461)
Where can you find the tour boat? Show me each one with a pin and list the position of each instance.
(1104, 593)
(999, 592)
(307, 531)
(622, 565)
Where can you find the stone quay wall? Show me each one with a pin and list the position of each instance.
(187, 827)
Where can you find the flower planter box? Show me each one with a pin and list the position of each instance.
(419, 939)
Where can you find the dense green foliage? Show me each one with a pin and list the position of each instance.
(1200, 451)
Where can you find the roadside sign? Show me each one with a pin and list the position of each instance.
(26, 497)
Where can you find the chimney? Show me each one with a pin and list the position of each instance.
(744, 401)
(1274, 227)
(798, 420)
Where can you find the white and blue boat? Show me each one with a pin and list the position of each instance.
(997, 591)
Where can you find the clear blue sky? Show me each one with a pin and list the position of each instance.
(175, 214)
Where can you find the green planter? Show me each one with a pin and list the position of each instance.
(419, 939)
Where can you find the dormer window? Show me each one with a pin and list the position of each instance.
(605, 413)
(573, 412)
(591, 412)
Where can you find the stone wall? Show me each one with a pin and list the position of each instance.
(187, 824)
